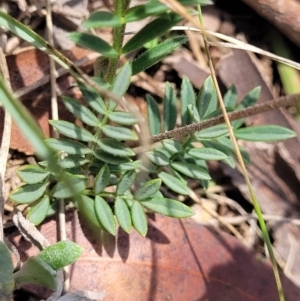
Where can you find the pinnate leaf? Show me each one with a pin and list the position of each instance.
(110, 157)
(86, 206)
(115, 147)
(266, 133)
(94, 43)
(158, 158)
(225, 146)
(191, 170)
(250, 99)
(105, 215)
(148, 189)
(168, 207)
(122, 118)
(68, 146)
(122, 214)
(38, 212)
(122, 80)
(155, 28)
(139, 12)
(187, 98)
(172, 146)
(174, 183)
(93, 99)
(154, 7)
(153, 115)
(32, 174)
(80, 111)
(193, 113)
(63, 190)
(119, 133)
(157, 53)
(207, 153)
(101, 19)
(213, 132)
(139, 219)
(28, 193)
(71, 161)
(102, 179)
(125, 182)
(230, 97)
(170, 109)
(207, 100)
(72, 130)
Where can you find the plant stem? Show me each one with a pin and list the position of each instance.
(4, 150)
(118, 34)
(243, 166)
(114, 62)
(195, 127)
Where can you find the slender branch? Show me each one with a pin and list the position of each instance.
(195, 127)
(54, 111)
(4, 143)
(243, 166)
(118, 35)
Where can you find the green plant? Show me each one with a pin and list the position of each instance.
(97, 148)
(41, 269)
(97, 154)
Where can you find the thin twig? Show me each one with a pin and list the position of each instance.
(284, 101)
(178, 8)
(231, 203)
(4, 143)
(54, 111)
(234, 43)
(243, 165)
(214, 214)
(235, 220)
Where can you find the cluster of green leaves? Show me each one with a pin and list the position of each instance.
(187, 158)
(162, 22)
(93, 158)
(102, 153)
(97, 150)
(45, 265)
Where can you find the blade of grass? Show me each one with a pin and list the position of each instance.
(290, 77)
(175, 6)
(54, 113)
(243, 166)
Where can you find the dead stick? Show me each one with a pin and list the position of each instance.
(4, 143)
(196, 127)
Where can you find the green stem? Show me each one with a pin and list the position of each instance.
(118, 34)
(119, 7)
(289, 76)
(243, 167)
(117, 45)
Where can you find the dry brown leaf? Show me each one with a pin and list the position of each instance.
(178, 260)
